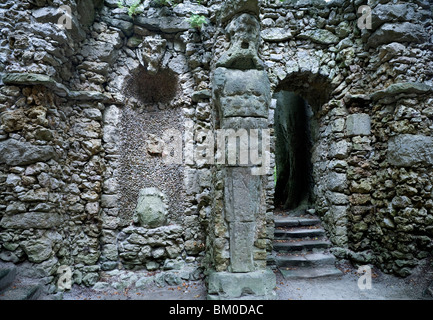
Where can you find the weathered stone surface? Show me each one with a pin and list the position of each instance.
(37, 250)
(241, 246)
(358, 124)
(407, 150)
(231, 8)
(35, 79)
(38, 220)
(16, 153)
(150, 52)
(164, 23)
(244, 33)
(242, 195)
(276, 34)
(337, 181)
(250, 285)
(397, 32)
(391, 13)
(241, 93)
(402, 88)
(151, 208)
(54, 15)
(320, 36)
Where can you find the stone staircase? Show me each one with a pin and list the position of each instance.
(301, 248)
(12, 288)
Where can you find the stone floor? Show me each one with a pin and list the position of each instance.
(384, 287)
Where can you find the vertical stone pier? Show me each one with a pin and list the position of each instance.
(241, 94)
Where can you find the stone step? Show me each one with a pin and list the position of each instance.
(310, 273)
(295, 221)
(307, 260)
(7, 276)
(22, 292)
(283, 234)
(290, 246)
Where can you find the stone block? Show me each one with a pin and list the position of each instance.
(397, 32)
(37, 220)
(151, 208)
(17, 153)
(249, 285)
(241, 246)
(242, 195)
(337, 181)
(242, 93)
(406, 150)
(358, 124)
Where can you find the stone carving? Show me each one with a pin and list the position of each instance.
(151, 208)
(150, 53)
(244, 32)
(241, 92)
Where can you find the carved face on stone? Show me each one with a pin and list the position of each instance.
(244, 32)
(242, 93)
(151, 208)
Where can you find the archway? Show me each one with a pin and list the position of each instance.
(298, 100)
(293, 143)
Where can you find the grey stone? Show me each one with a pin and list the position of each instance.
(407, 150)
(231, 8)
(150, 53)
(250, 285)
(90, 279)
(391, 13)
(53, 15)
(402, 88)
(16, 153)
(145, 282)
(35, 195)
(358, 124)
(337, 181)
(38, 220)
(320, 36)
(244, 41)
(397, 32)
(109, 201)
(37, 250)
(164, 23)
(151, 208)
(276, 34)
(241, 246)
(233, 88)
(15, 207)
(339, 150)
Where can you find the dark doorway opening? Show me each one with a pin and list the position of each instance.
(293, 144)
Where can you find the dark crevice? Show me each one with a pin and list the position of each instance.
(292, 151)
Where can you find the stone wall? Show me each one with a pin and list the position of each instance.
(82, 111)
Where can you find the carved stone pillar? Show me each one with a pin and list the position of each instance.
(241, 93)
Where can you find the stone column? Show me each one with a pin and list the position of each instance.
(241, 93)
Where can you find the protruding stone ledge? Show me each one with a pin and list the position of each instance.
(37, 220)
(402, 88)
(58, 88)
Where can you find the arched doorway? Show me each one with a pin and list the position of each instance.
(298, 102)
(301, 246)
(293, 143)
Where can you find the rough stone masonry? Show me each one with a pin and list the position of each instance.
(84, 110)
